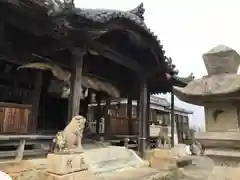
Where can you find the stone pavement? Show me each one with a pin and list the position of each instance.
(200, 169)
(225, 173)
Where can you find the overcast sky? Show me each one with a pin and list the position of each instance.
(187, 29)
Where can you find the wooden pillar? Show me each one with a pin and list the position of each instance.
(76, 84)
(34, 99)
(138, 107)
(178, 126)
(2, 31)
(148, 115)
(238, 119)
(2, 39)
(98, 114)
(172, 119)
(182, 128)
(107, 120)
(129, 114)
(143, 117)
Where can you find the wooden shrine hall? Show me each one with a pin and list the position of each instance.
(56, 58)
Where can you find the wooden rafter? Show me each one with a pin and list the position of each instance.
(115, 56)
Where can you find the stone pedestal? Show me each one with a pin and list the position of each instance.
(65, 167)
(65, 163)
(80, 175)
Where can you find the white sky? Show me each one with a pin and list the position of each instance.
(187, 29)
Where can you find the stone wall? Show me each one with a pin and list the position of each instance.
(221, 117)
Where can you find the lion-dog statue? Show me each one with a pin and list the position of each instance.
(70, 139)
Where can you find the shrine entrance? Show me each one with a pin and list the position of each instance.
(20, 91)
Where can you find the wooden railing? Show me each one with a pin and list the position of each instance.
(18, 146)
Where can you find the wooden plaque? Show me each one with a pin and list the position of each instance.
(14, 119)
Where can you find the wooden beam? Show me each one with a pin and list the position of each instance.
(38, 27)
(115, 56)
(24, 58)
(76, 81)
(143, 117)
(11, 58)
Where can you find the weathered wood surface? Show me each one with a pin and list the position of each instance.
(14, 120)
(76, 84)
(34, 99)
(143, 117)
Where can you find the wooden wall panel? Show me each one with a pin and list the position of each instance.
(2, 115)
(119, 125)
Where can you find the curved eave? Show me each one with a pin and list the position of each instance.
(103, 20)
(112, 20)
(95, 23)
(67, 18)
(180, 81)
(176, 81)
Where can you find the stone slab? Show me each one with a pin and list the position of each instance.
(65, 163)
(144, 173)
(110, 159)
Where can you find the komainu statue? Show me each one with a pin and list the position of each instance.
(70, 139)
